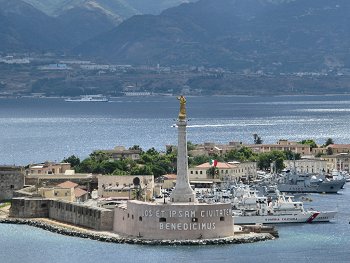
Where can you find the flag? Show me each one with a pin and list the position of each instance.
(213, 162)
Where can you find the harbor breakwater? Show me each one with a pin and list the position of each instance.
(114, 238)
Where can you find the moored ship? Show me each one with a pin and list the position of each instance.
(307, 183)
(254, 209)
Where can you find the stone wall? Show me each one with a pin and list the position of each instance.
(29, 207)
(11, 179)
(73, 213)
(91, 217)
(175, 221)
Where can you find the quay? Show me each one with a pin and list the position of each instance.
(109, 237)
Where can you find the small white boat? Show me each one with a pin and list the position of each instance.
(88, 98)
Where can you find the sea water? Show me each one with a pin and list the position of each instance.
(38, 130)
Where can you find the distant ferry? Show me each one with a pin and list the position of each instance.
(88, 98)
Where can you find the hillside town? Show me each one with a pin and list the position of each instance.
(61, 181)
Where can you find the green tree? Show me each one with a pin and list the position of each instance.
(329, 151)
(73, 160)
(213, 172)
(99, 156)
(329, 141)
(136, 147)
(242, 155)
(152, 152)
(291, 155)
(108, 167)
(257, 139)
(310, 142)
(141, 170)
(265, 160)
(197, 160)
(190, 146)
(119, 172)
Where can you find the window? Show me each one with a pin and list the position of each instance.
(222, 218)
(162, 219)
(140, 218)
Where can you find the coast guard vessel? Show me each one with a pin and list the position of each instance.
(250, 208)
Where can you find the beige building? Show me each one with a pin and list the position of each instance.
(120, 152)
(67, 191)
(169, 181)
(225, 171)
(340, 162)
(48, 168)
(281, 145)
(210, 148)
(335, 148)
(307, 165)
(125, 185)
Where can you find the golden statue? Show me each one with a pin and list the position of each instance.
(182, 113)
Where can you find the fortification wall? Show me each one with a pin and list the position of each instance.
(11, 179)
(91, 217)
(73, 213)
(29, 207)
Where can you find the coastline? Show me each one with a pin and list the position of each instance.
(103, 236)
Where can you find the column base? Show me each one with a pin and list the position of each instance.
(182, 198)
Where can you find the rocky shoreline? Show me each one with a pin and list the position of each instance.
(103, 237)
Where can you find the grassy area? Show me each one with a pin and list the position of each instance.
(5, 204)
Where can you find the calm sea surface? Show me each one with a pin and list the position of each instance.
(35, 130)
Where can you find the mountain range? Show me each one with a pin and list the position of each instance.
(116, 9)
(247, 35)
(239, 34)
(60, 25)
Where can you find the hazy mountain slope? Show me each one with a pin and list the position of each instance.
(83, 23)
(120, 8)
(254, 34)
(24, 28)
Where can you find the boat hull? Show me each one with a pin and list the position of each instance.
(305, 217)
(325, 187)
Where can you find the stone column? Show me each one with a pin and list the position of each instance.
(183, 191)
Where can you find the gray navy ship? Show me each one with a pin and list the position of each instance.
(307, 183)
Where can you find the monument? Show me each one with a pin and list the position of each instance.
(183, 218)
(183, 191)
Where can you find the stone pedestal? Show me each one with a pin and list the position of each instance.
(174, 221)
(183, 192)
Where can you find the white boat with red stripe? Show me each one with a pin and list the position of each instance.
(254, 209)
